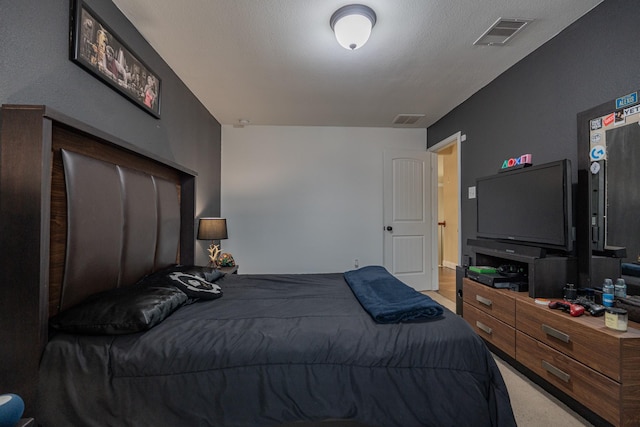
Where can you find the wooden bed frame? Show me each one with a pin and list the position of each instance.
(45, 157)
(33, 226)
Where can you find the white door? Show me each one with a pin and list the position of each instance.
(409, 247)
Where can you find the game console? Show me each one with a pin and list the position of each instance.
(592, 308)
(496, 278)
(574, 310)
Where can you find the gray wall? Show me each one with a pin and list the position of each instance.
(532, 107)
(35, 69)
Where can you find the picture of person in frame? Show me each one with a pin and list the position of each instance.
(102, 53)
(88, 48)
(150, 92)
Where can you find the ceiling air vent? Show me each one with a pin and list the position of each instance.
(502, 31)
(407, 119)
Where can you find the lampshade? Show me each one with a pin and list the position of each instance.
(352, 25)
(212, 229)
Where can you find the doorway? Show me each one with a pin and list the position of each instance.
(448, 212)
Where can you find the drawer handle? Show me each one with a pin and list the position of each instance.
(555, 333)
(555, 371)
(484, 327)
(483, 300)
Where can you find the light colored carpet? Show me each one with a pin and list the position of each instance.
(532, 405)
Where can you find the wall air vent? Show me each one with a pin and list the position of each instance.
(502, 31)
(407, 119)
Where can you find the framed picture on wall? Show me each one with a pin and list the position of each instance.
(98, 49)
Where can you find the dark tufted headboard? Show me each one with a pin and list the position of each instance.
(122, 224)
(80, 211)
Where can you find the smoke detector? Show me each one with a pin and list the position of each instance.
(241, 123)
(502, 31)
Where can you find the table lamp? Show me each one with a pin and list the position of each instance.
(212, 229)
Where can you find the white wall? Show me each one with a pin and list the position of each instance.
(306, 199)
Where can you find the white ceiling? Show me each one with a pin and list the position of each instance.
(276, 62)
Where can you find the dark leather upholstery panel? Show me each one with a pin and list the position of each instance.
(122, 225)
(168, 223)
(140, 225)
(94, 227)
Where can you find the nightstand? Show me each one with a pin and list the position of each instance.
(229, 270)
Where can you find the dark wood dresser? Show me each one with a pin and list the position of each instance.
(596, 366)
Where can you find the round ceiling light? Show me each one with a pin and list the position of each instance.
(352, 25)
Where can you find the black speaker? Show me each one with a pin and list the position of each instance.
(461, 272)
(509, 248)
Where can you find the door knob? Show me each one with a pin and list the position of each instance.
(389, 228)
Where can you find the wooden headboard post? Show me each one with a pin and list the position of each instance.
(24, 247)
(33, 227)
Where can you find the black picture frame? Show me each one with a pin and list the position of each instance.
(97, 48)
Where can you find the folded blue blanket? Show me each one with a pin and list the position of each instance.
(387, 299)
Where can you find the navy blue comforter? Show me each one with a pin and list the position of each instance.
(275, 349)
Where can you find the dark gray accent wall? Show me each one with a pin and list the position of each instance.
(35, 69)
(532, 107)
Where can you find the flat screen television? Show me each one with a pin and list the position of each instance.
(529, 206)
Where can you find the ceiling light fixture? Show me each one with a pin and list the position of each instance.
(352, 25)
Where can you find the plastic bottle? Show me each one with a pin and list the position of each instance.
(620, 289)
(607, 293)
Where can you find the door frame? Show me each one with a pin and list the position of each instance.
(457, 139)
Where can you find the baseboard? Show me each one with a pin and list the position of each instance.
(449, 264)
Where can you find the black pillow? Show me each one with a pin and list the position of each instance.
(213, 276)
(194, 281)
(120, 311)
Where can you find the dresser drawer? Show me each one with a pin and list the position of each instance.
(599, 393)
(590, 344)
(495, 302)
(491, 329)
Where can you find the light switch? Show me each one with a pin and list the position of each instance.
(472, 192)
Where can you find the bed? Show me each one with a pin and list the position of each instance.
(265, 351)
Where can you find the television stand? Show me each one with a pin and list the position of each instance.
(547, 275)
